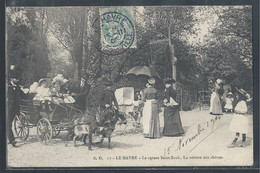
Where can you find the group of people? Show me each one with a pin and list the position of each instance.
(150, 111)
(63, 91)
(60, 91)
(230, 98)
(224, 97)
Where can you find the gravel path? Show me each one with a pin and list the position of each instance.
(209, 148)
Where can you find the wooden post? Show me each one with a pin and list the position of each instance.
(172, 54)
(181, 99)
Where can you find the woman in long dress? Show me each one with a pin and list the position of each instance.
(151, 124)
(215, 104)
(172, 120)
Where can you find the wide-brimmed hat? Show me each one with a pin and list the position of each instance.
(59, 78)
(219, 81)
(243, 93)
(47, 80)
(151, 81)
(230, 94)
(41, 81)
(65, 81)
(169, 81)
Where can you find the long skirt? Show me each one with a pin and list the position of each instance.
(172, 122)
(215, 104)
(239, 124)
(151, 123)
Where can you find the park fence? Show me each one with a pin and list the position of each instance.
(192, 98)
(187, 97)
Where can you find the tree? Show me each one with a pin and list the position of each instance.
(171, 26)
(69, 28)
(228, 48)
(26, 44)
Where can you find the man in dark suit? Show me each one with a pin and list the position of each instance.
(108, 102)
(80, 90)
(13, 95)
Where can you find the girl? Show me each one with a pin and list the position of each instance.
(239, 123)
(57, 97)
(229, 102)
(43, 94)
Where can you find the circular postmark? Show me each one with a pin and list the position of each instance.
(117, 33)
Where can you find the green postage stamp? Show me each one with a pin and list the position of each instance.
(117, 28)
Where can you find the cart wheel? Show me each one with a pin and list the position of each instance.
(56, 130)
(21, 126)
(44, 131)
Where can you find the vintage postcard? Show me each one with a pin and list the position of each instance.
(129, 86)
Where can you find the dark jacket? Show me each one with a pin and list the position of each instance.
(81, 94)
(14, 95)
(107, 97)
(170, 92)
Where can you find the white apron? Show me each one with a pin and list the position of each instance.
(147, 114)
(213, 95)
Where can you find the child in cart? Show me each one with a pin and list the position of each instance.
(43, 95)
(57, 96)
(59, 91)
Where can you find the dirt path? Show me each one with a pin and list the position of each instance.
(207, 148)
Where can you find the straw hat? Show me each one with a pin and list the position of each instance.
(244, 94)
(151, 81)
(41, 81)
(219, 81)
(230, 94)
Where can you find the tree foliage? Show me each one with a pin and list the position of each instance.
(228, 47)
(68, 26)
(26, 43)
(46, 41)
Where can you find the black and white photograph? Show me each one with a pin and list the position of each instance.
(129, 86)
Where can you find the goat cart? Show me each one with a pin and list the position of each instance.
(48, 122)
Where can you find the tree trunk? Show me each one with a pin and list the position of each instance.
(76, 71)
(78, 46)
(85, 43)
(172, 54)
